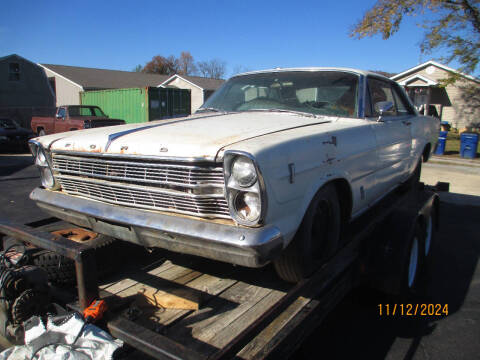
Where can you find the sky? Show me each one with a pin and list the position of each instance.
(253, 35)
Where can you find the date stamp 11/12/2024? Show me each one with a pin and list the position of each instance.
(413, 309)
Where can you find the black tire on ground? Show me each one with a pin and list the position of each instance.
(41, 132)
(61, 270)
(316, 239)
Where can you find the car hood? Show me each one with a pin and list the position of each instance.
(200, 136)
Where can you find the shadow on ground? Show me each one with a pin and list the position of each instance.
(356, 330)
(11, 163)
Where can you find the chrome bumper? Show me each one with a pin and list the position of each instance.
(252, 247)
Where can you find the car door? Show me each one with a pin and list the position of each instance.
(393, 138)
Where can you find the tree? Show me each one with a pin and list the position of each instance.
(137, 68)
(186, 64)
(214, 69)
(238, 69)
(162, 65)
(454, 26)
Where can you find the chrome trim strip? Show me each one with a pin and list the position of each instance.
(209, 159)
(140, 187)
(199, 207)
(115, 136)
(93, 158)
(150, 173)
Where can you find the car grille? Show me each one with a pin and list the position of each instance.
(193, 189)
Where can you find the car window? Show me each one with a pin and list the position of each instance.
(316, 92)
(402, 105)
(61, 112)
(98, 112)
(380, 91)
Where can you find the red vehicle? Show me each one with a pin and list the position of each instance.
(72, 117)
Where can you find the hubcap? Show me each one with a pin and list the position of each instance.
(428, 236)
(412, 266)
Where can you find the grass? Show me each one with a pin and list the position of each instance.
(452, 147)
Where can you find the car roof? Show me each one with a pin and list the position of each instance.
(313, 69)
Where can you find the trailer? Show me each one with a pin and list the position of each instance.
(249, 313)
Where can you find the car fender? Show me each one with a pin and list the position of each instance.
(289, 215)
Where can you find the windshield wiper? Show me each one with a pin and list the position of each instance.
(301, 113)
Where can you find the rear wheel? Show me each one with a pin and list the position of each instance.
(411, 279)
(316, 239)
(41, 132)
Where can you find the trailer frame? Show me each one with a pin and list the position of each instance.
(325, 288)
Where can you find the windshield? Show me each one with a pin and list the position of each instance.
(8, 124)
(85, 111)
(331, 93)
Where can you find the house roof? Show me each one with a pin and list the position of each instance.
(198, 81)
(90, 78)
(424, 80)
(432, 63)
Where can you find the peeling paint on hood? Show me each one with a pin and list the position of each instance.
(197, 136)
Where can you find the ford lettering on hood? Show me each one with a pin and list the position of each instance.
(199, 136)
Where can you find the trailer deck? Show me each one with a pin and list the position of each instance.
(244, 313)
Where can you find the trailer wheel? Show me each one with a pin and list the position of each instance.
(430, 232)
(413, 263)
(316, 239)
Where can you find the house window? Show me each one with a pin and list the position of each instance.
(14, 72)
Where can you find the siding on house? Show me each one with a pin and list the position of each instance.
(464, 110)
(195, 91)
(24, 89)
(67, 92)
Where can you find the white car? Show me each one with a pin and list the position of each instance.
(271, 168)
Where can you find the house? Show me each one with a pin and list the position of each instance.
(24, 89)
(458, 103)
(200, 88)
(69, 81)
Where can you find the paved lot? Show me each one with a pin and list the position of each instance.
(355, 329)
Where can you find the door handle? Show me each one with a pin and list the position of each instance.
(407, 123)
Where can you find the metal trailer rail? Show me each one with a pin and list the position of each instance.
(324, 289)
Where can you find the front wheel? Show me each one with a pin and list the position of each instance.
(316, 239)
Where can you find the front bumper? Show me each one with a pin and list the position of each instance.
(251, 247)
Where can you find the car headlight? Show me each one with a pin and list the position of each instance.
(243, 171)
(244, 188)
(41, 160)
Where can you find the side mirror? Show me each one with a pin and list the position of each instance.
(383, 107)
